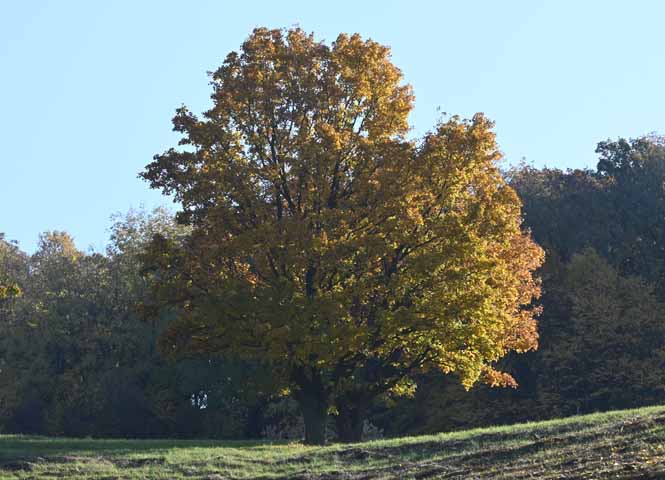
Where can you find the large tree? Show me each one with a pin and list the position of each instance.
(327, 244)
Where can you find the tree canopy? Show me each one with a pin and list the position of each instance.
(326, 243)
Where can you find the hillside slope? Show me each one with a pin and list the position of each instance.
(619, 445)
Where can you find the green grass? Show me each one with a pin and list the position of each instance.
(619, 445)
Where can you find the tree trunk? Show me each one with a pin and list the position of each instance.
(315, 413)
(314, 402)
(349, 422)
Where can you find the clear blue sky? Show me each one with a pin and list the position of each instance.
(88, 89)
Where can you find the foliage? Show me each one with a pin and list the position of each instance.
(76, 360)
(610, 352)
(328, 245)
(10, 261)
(602, 332)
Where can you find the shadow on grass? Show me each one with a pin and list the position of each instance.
(19, 447)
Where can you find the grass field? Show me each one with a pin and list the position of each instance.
(619, 445)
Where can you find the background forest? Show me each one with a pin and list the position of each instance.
(78, 358)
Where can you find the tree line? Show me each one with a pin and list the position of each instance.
(77, 358)
(323, 256)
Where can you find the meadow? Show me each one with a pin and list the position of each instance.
(619, 445)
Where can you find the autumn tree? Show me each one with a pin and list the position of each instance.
(10, 258)
(327, 244)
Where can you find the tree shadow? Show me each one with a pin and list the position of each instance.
(14, 448)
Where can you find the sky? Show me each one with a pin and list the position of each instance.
(87, 89)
